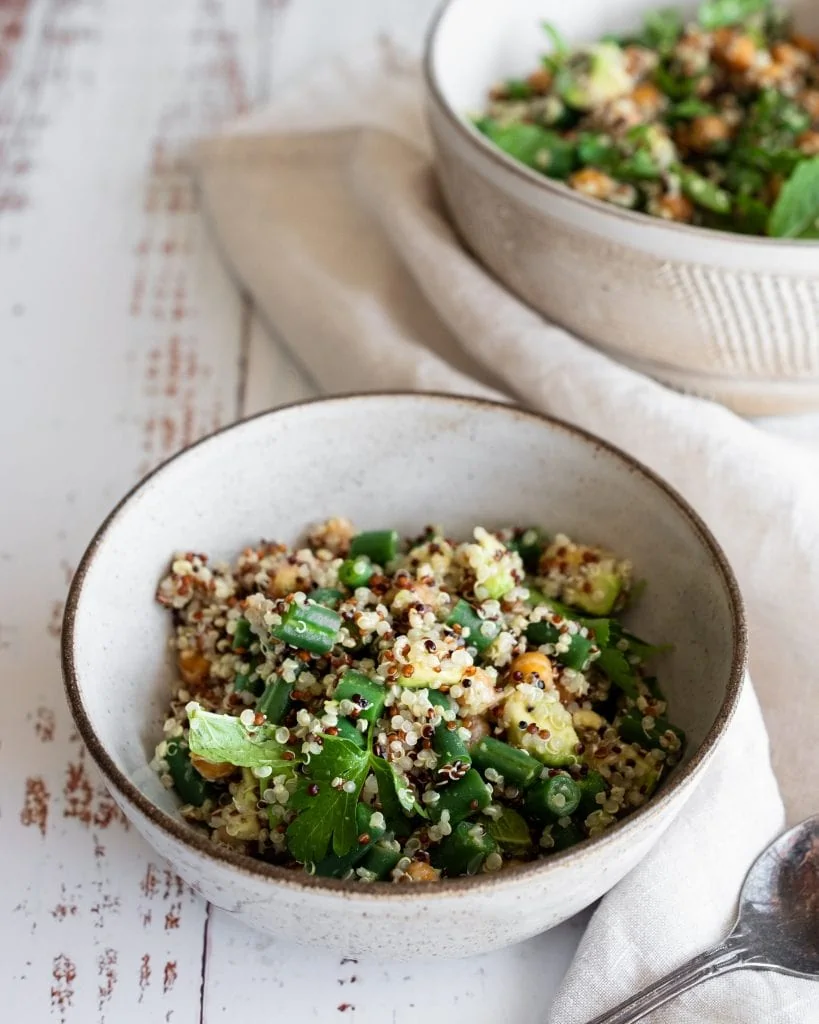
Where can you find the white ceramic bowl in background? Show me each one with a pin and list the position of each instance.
(398, 460)
(728, 316)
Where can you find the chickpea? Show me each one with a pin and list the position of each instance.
(592, 182)
(648, 98)
(212, 770)
(540, 81)
(738, 53)
(532, 666)
(810, 102)
(678, 208)
(808, 142)
(419, 871)
(788, 56)
(805, 44)
(193, 667)
(707, 131)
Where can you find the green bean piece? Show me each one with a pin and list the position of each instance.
(704, 192)
(380, 546)
(517, 89)
(381, 857)
(188, 783)
(347, 730)
(367, 696)
(530, 544)
(555, 797)
(590, 785)
(565, 836)
(328, 596)
(276, 700)
(243, 681)
(355, 572)
(242, 636)
(632, 727)
(544, 632)
(481, 631)
(516, 766)
(310, 627)
(464, 851)
(461, 798)
(446, 742)
(333, 866)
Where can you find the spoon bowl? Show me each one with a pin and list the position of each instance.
(777, 928)
(779, 905)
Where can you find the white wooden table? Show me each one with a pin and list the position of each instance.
(122, 340)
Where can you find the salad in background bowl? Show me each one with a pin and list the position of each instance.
(711, 121)
(699, 268)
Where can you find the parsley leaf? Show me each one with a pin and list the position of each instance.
(398, 800)
(330, 813)
(796, 211)
(224, 738)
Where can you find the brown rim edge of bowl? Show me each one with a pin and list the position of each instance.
(191, 837)
(641, 221)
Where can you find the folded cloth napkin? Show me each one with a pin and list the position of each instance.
(327, 209)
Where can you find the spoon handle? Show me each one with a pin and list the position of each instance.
(727, 956)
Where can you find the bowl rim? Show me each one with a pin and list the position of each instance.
(550, 186)
(176, 829)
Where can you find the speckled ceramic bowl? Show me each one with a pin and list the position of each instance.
(401, 460)
(731, 317)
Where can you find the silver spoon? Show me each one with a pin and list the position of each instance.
(777, 928)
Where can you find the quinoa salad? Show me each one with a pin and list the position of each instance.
(712, 121)
(373, 708)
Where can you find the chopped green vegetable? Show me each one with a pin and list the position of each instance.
(465, 851)
(242, 636)
(326, 800)
(796, 211)
(481, 631)
(721, 13)
(187, 781)
(310, 627)
(224, 738)
(380, 546)
(510, 832)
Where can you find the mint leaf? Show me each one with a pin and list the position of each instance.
(224, 738)
(719, 13)
(510, 831)
(327, 811)
(796, 211)
(615, 665)
(398, 799)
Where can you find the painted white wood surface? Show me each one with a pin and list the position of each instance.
(122, 339)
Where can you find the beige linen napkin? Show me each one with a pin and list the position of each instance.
(326, 208)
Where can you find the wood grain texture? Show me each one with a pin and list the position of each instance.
(123, 339)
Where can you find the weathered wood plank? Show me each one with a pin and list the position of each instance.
(121, 337)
